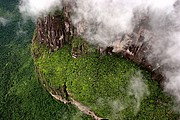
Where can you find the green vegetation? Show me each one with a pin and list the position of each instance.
(21, 95)
(99, 82)
(81, 47)
(103, 84)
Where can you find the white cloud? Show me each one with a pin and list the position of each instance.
(3, 21)
(36, 8)
(138, 89)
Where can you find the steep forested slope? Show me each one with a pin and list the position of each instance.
(21, 96)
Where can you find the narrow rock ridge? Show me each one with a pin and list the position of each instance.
(81, 107)
(65, 97)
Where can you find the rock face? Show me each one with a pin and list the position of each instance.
(55, 30)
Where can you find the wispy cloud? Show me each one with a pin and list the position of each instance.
(3, 21)
(138, 89)
(37, 8)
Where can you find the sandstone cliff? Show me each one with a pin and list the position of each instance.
(56, 29)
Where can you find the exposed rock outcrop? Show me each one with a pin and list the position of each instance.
(55, 30)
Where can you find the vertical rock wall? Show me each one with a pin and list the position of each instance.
(55, 30)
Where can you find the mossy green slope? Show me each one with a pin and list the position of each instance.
(103, 84)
